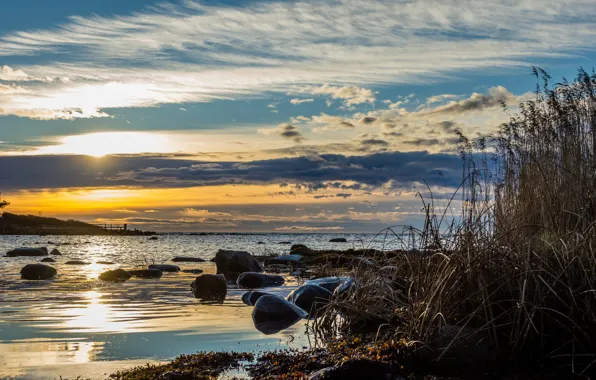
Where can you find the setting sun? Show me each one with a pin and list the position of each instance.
(104, 143)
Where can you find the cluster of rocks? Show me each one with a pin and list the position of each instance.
(45, 272)
(271, 312)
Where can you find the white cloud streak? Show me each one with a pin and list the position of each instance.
(235, 52)
(297, 101)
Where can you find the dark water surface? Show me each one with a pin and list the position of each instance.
(77, 325)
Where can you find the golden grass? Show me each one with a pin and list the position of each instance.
(517, 268)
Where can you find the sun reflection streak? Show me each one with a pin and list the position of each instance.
(97, 317)
(94, 270)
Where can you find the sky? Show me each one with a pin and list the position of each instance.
(253, 116)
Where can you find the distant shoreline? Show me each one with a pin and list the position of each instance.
(13, 224)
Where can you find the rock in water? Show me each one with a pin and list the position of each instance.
(193, 271)
(310, 298)
(182, 259)
(146, 273)
(329, 283)
(48, 260)
(252, 280)
(232, 263)
(299, 249)
(273, 314)
(338, 240)
(28, 252)
(153, 238)
(210, 287)
(55, 252)
(344, 287)
(37, 272)
(250, 298)
(287, 259)
(105, 262)
(165, 267)
(118, 275)
(76, 262)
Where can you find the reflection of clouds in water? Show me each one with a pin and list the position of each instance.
(83, 352)
(28, 352)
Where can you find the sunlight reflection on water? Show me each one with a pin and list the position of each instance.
(77, 325)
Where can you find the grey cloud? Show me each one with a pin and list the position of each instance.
(376, 142)
(393, 134)
(422, 142)
(432, 141)
(52, 172)
(288, 131)
(367, 120)
(476, 102)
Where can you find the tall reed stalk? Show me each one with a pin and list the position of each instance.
(518, 267)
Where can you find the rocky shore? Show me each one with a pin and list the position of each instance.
(358, 306)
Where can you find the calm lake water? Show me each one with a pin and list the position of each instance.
(77, 325)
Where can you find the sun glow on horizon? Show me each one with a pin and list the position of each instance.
(104, 143)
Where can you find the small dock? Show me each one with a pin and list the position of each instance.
(113, 227)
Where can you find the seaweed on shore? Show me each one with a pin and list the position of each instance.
(202, 366)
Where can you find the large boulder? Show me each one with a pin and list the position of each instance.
(253, 280)
(287, 259)
(210, 287)
(146, 273)
(329, 283)
(273, 314)
(185, 259)
(310, 298)
(27, 252)
(37, 272)
(233, 263)
(165, 267)
(338, 240)
(118, 275)
(250, 298)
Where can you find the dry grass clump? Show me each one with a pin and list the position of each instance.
(516, 269)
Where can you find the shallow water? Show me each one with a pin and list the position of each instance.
(77, 325)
